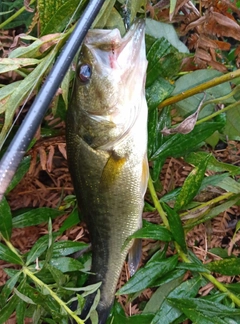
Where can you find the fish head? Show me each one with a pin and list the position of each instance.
(109, 68)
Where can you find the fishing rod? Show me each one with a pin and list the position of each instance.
(29, 126)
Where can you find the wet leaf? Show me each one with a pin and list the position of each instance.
(7, 255)
(35, 217)
(191, 185)
(228, 267)
(176, 227)
(5, 219)
(193, 267)
(37, 250)
(66, 264)
(168, 312)
(204, 307)
(145, 276)
(62, 248)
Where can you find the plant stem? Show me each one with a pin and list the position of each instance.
(218, 112)
(156, 202)
(183, 256)
(15, 15)
(41, 284)
(200, 88)
(213, 201)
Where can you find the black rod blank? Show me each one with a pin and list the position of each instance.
(33, 119)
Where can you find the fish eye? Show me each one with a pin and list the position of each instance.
(85, 72)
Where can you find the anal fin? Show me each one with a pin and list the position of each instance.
(134, 256)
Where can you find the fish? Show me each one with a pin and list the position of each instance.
(106, 136)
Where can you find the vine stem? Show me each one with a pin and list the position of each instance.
(200, 88)
(21, 10)
(37, 281)
(182, 255)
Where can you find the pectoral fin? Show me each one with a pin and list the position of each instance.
(145, 176)
(134, 256)
(112, 170)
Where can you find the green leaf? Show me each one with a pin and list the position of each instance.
(232, 126)
(163, 60)
(159, 90)
(8, 309)
(8, 287)
(35, 217)
(153, 231)
(104, 13)
(10, 306)
(176, 227)
(228, 267)
(167, 313)
(23, 297)
(20, 92)
(11, 64)
(193, 267)
(38, 248)
(5, 219)
(212, 213)
(158, 29)
(204, 307)
(7, 255)
(62, 248)
(191, 185)
(20, 312)
(213, 164)
(60, 17)
(73, 219)
(230, 185)
(19, 174)
(174, 274)
(58, 276)
(65, 264)
(188, 141)
(189, 105)
(156, 300)
(146, 276)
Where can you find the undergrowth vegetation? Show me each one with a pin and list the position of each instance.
(193, 100)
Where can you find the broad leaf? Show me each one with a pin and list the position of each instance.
(191, 185)
(7, 255)
(5, 219)
(35, 217)
(176, 226)
(145, 276)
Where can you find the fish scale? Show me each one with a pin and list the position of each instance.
(106, 133)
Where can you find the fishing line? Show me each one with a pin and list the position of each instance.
(36, 81)
(30, 124)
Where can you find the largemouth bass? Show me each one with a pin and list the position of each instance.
(106, 146)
